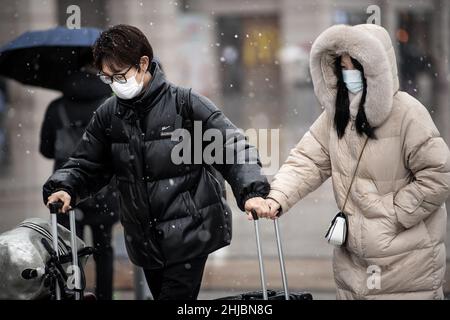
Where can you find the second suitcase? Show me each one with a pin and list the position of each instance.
(266, 294)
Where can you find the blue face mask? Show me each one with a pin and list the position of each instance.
(353, 80)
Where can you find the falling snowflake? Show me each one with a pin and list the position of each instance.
(204, 235)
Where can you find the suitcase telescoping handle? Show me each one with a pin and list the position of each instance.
(260, 256)
(54, 210)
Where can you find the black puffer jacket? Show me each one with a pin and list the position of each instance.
(170, 212)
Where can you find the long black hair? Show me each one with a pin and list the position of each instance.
(342, 105)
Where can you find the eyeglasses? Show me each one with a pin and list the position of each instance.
(117, 77)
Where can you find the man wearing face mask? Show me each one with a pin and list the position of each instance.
(173, 214)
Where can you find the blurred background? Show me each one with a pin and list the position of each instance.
(251, 58)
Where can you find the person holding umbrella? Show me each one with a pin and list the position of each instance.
(173, 214)
(68, 54)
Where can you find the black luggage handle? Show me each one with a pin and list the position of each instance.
(55, 206)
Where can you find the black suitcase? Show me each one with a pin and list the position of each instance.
(266, 294)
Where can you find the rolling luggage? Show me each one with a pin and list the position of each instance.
(63, 286)
(37, 260)
(266, 294)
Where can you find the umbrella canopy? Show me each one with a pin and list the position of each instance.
(45, 58)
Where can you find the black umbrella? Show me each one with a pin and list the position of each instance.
(45, 58)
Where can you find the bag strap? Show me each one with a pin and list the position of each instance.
(184, 119)
(354, 174)
(184, 107)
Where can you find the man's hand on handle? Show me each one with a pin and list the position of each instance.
(62, 196)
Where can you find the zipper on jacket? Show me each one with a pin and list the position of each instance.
(352, 119)
(149, 228)
(142, 160)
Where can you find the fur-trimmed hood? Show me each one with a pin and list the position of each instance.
(372, 47)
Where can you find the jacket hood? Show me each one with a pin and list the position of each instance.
(371, 45)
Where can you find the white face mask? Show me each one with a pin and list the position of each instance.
(353, 80)
(128, 90)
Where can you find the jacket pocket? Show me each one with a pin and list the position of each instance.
(206, 193)
(411, 207)
(388, 203)
(379, 225)
(409, 200)
(374, 205)
(217, 187)
(129, 204)
(141, 250)
(190, 205)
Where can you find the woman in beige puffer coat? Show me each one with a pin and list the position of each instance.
(395, 209)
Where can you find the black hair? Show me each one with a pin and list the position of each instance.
(342, 104)
(121, 46)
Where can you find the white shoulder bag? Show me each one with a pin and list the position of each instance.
(337, 231)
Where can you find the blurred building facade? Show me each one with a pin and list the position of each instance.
(251, 58)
